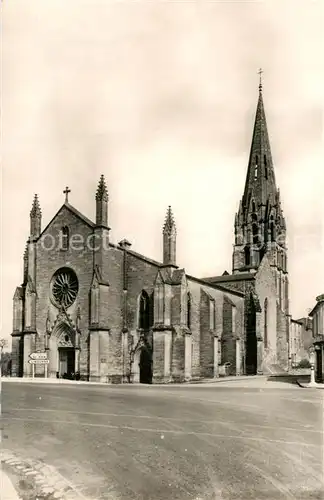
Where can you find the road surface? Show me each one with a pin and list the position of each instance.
(225, 441)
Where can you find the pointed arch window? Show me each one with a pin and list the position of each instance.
(280, 290)
(265, 166)
(272, 228)
(65, 238)
(211, 314)
(17, 313)
(255, 234)
(256, 167)
(151, 310)
(234, 312)
(253, 206)
(265, 323)
(144, 311)
(188, 310)
(28, 309)
(159, 303)
(247, 256)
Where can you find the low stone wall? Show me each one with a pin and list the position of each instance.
(299, 371)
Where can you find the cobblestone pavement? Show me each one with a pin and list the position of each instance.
(37, 480)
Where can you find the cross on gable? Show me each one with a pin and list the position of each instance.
(66, 192)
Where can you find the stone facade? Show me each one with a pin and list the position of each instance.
(103, 312)
(317, 315)
(301, 338)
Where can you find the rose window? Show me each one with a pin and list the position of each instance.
(64, 287)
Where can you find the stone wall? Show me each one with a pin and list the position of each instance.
(202, 337)
(282, 338)
(228, 337)
(265, 288)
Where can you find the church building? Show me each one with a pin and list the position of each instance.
(102, 312)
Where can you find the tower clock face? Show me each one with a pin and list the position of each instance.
(64, 287)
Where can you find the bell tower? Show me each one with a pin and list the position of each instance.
(259, 225)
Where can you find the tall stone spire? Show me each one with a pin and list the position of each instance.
(102, 203)
(35, 219)
(260, 180)
(259, 224)
(169, 239)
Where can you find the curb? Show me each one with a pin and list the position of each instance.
(47, 482)
(8, 492)
(208, 381)
(309, 385)
(228, 379)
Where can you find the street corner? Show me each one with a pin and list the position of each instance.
(29, 479)
(310, 385)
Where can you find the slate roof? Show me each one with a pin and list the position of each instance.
(230, 277)
(216, 286)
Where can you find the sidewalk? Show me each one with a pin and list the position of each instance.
(205, 381)
(7, 491)
(230, 378)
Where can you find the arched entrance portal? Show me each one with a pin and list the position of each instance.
(66, 362)
(62, 351)
(251, 346)
(145, 366)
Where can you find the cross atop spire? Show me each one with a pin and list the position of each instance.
(260, 74)
(66, 192)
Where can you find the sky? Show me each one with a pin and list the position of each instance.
(160, 97)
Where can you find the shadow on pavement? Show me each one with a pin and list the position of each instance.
(289, 379)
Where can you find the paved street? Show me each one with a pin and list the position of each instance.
(232, 440)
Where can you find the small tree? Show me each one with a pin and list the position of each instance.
(303, 363)
(6, 364)
(3, 343)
